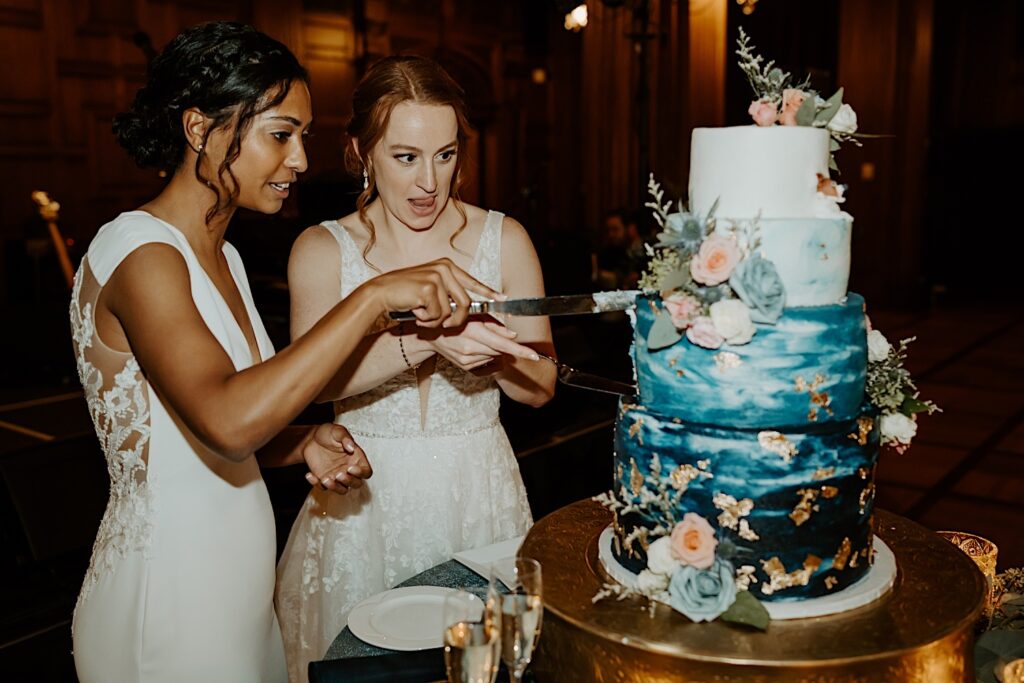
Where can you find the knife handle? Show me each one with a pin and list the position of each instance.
(475, 308)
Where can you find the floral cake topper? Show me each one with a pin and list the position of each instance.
(780, 102)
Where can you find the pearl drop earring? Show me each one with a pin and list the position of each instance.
(366, 179)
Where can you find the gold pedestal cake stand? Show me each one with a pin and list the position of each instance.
(921, 630)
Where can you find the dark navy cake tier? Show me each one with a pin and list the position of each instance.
(794, 505)
(806, 369)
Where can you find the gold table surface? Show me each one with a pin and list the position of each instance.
(921, 630)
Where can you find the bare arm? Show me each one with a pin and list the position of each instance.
(314, 283)
(525, 381)
(234, 413)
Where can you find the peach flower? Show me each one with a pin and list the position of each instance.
(683, 309)
(791, 101)
(715, 260)
(763, 112)
(694, 542)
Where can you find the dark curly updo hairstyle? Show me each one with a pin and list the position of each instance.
(229, 71)
(389, 82)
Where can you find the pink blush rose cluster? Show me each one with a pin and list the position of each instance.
(684, 569)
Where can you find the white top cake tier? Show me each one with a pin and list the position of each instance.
(749, 169)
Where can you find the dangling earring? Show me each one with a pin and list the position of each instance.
(366, 179)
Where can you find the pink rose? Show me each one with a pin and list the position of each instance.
(715, 260)
(683, 309)
(763, 112)
(702, 332)
(791, 101)
(693, 541)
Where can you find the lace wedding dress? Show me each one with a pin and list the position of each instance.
(181, 580)
(443, 482)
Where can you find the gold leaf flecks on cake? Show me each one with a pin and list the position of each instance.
(745, 576)
(703, 464)
(866, 495)
(864, 426)
(853, 560)
(780, 579)
(863, 472)
(802, 512)
(746, 533)
(683, 475)
(777, 443)
(731, 509)
(680, 373)
(636, 480)
(829, 491)
(842, 555)
(672, 362)
(823, 473)
(726, 360)
(820, 400)
(830, 582)
(677, 420)
(634, 430)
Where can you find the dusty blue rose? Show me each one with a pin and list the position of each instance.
(703, 594)
(758, 284)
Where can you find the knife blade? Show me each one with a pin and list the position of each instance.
(584, 380)
(572, 304)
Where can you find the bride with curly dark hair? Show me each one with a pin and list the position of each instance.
(185, 390)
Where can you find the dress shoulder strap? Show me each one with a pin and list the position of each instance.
(354, 270)
(123, 235)
(487, 260)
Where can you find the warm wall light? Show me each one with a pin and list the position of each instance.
(539, 76)
(576, 19)
(748, 5)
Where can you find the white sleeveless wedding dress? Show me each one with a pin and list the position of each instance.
(181, 581)
(447, 485)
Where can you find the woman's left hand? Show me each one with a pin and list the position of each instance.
(336, 462)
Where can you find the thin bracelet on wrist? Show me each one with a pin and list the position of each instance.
(401, 345)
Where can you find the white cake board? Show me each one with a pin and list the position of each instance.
(868, 588)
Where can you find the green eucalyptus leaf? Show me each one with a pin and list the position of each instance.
(747, 610)
(832, 163)
(805, 114)
(678, 278)
(663, 333)
(832, 105)
(912, 405)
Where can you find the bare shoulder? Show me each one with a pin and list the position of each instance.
(314, 255)
(514, 236)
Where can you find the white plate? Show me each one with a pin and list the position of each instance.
(406, 618)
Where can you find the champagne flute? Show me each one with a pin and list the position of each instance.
(521, 612)
(471, 638)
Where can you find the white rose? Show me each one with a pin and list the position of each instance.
(659, 557)
(878, 346)
(731, 319)
(844, 121)
(650, 583)
(897, 427)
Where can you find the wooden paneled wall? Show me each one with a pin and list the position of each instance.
(70, 65)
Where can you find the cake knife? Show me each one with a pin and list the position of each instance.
(573, 304)
(584, 380)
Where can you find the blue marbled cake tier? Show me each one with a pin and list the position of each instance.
(811, 490)
(806, 369)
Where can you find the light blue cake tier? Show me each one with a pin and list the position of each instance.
(811, 255)
(808, 368)
(806, 494)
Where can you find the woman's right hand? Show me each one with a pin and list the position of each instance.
(426, 291)
(476, 344)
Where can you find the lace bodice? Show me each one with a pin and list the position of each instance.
(459, 402)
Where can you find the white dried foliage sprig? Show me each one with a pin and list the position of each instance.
(661, 211)
(767, 81)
